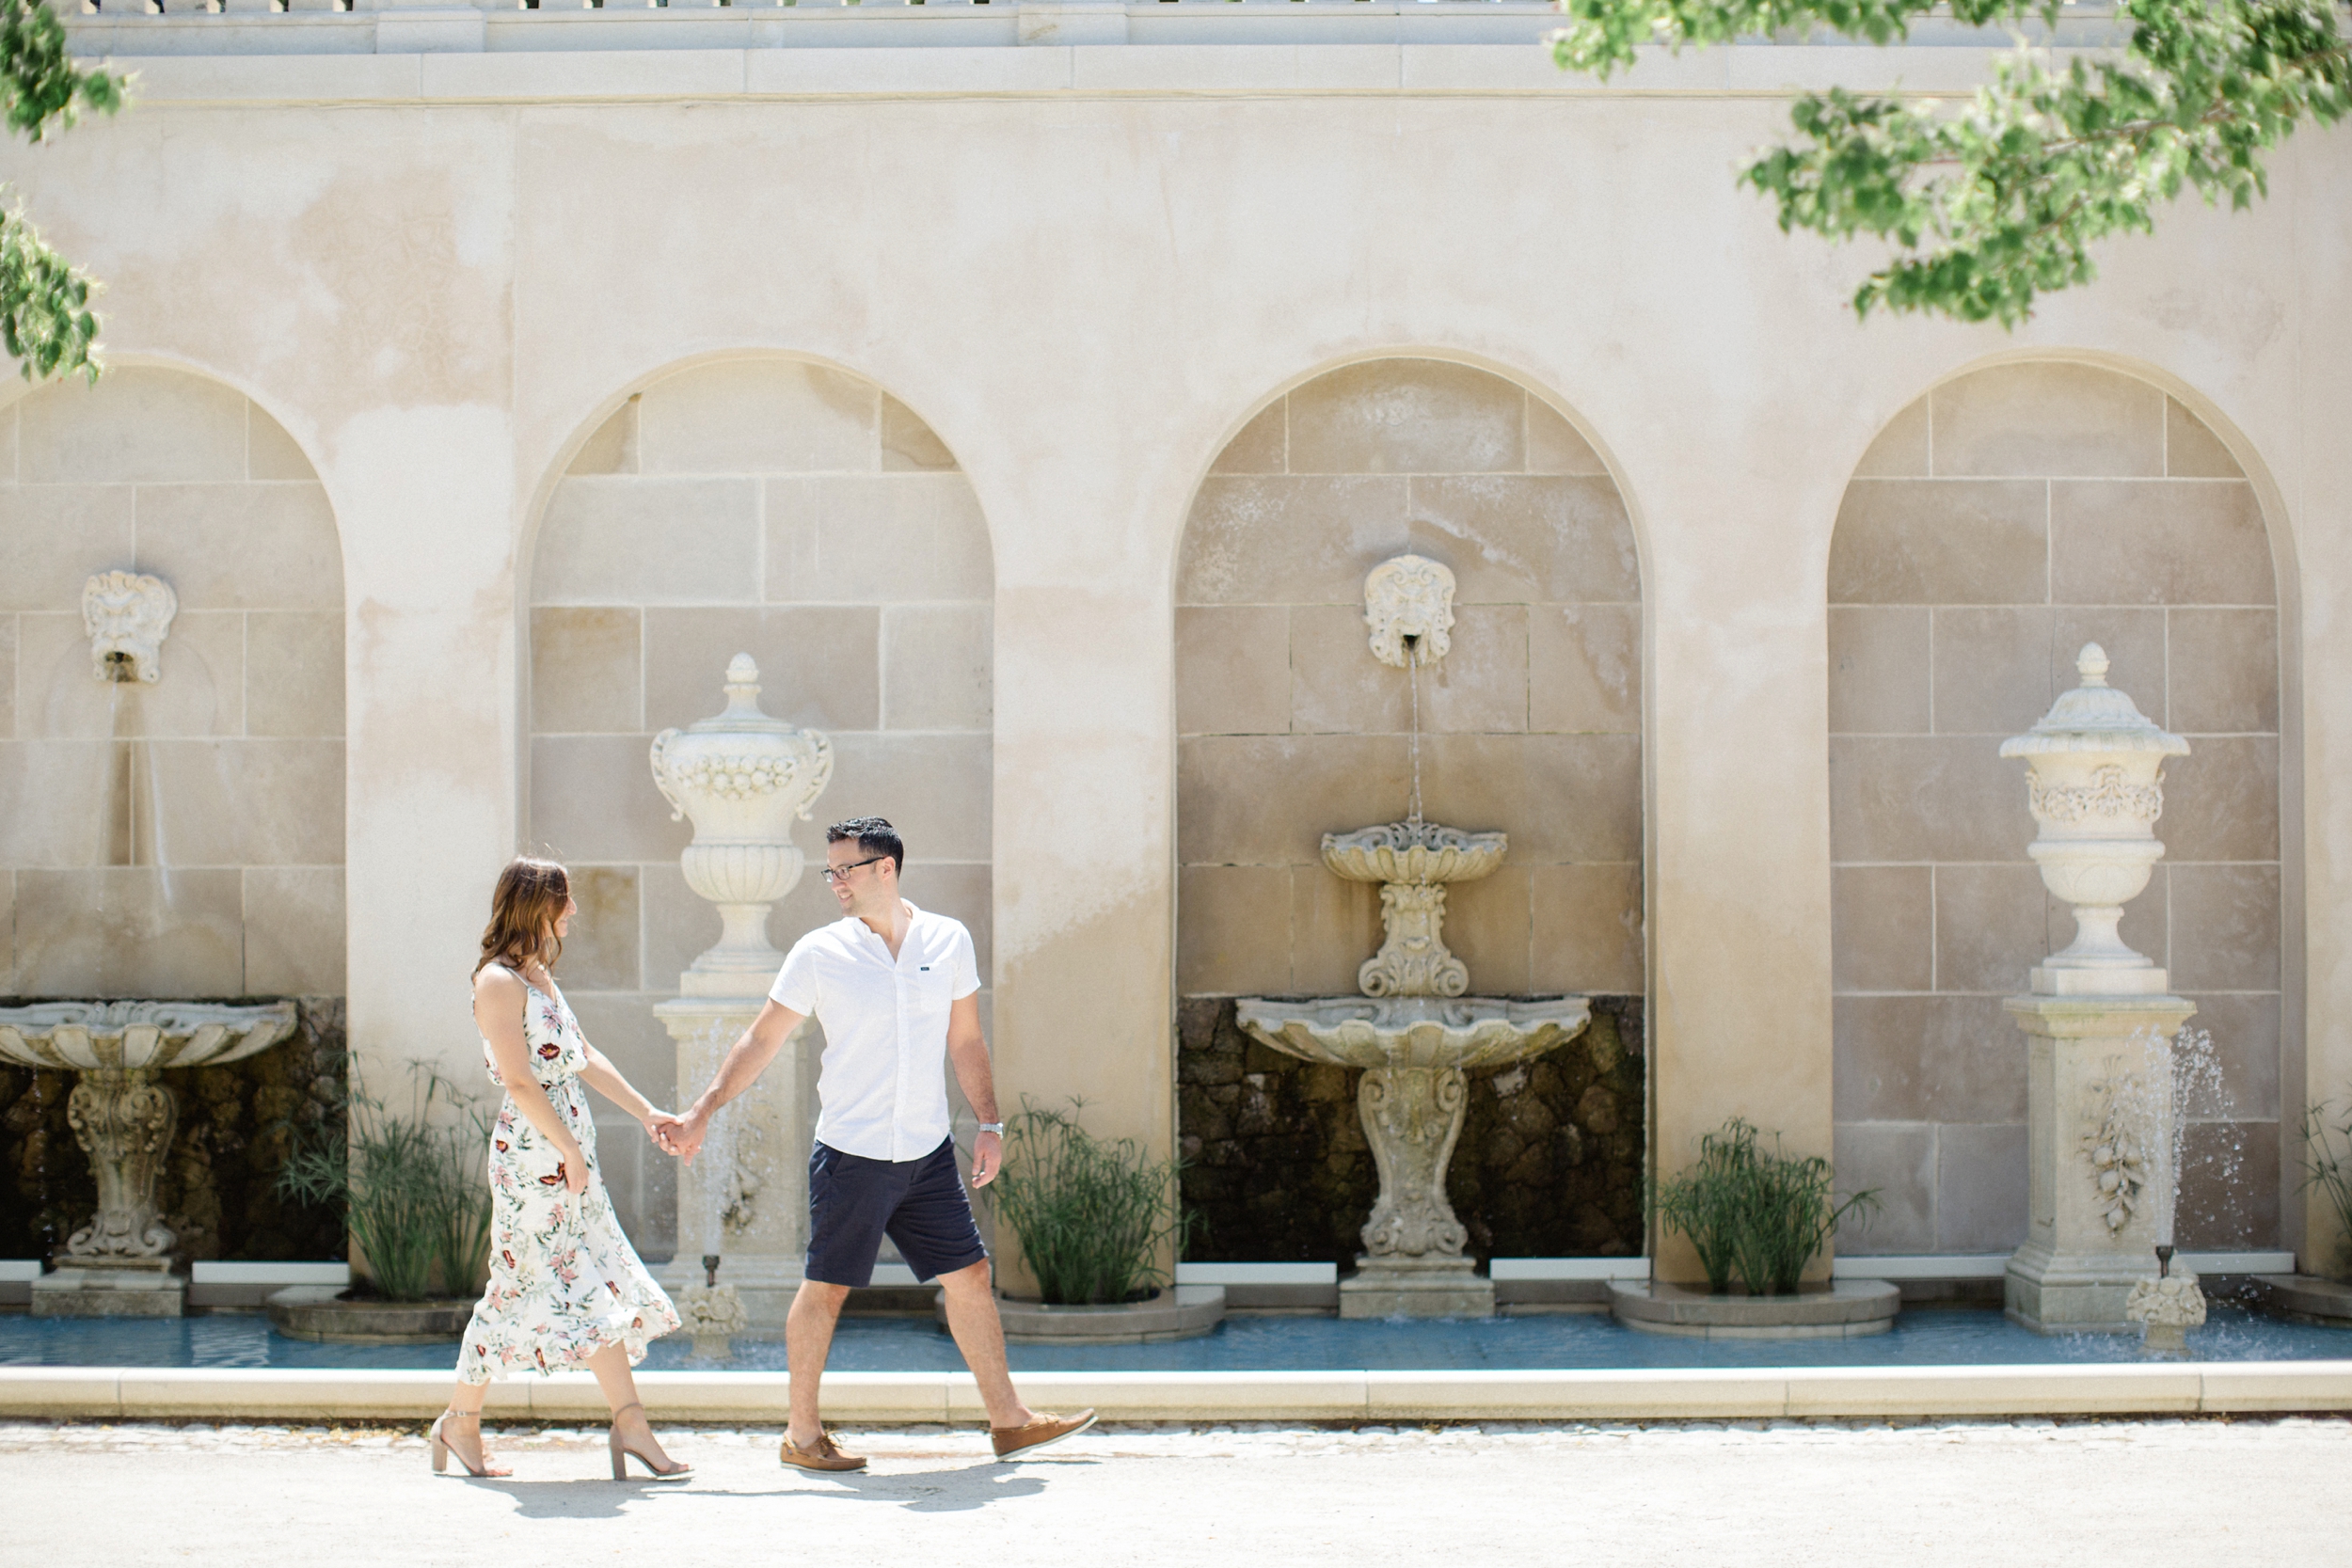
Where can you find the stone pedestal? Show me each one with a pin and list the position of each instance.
(2099, 1142)
(745, 1197)
(744, 778)
(126, 1290)
(1433, 1286)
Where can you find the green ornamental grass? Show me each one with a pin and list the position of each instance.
(414, 1189)
(1091, 1213)
(2327, 1166)
(1755, 1213)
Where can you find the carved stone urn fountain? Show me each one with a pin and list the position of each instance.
(2098, 1017)
(124, 1114)
(743, 778)
(1413, 1031)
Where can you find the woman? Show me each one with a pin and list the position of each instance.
(566, 1290)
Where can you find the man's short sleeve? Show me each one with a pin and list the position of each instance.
(963, 965)
(796, 982)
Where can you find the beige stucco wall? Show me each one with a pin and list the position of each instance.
(1998, 525)
(802, 515)
(1288, 728)
(184, 838)
(1086, 274)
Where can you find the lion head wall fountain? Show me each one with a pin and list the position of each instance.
(1413, 1031)
(122, 1109)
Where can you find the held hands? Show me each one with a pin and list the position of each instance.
(662, 1126)
(988, 1158)
(680, 1135)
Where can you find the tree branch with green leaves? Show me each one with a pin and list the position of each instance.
(1991, 202)
(45, 319)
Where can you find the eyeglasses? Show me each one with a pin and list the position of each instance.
(841, 873)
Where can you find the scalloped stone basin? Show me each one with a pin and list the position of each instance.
(123, 1116)
(1414, 1050)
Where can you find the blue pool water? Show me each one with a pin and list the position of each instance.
(1923, 1337)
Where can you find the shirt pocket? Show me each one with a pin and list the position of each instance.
(930, 993)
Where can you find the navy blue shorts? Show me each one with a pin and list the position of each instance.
(854, 1202)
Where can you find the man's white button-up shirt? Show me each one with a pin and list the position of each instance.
(883, 1085)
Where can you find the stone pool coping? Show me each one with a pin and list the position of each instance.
(885, 1399)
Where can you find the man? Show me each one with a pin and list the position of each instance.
(894, 988)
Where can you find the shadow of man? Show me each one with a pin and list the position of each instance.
(944, 1491)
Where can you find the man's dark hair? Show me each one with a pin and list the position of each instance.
(875, 835)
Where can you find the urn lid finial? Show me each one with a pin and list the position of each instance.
(742, 711)
(2093, 717)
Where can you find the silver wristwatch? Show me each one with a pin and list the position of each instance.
(995, 1127)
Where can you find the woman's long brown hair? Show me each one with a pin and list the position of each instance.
(524, 907)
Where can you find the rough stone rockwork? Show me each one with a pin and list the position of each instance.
(1550, 1163)
(217, 1185)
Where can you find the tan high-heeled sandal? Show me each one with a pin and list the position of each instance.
(622, 1453)
(441, 1450)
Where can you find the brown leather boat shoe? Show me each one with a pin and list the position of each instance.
(1038, 1432)
(824, 1454)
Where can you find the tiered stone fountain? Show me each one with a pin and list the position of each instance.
(1413, 1031)
(743, 778)
(2099, 1022)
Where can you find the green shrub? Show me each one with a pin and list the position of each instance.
(2329, 1167)
(1755, 1214)
(413, 1188)
(1090, 1213)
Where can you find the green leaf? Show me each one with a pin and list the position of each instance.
(45, 319)
(1989, 203)
(40, 84)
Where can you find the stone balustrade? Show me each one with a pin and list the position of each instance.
(130, 28)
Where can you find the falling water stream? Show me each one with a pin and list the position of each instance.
(1412, 680)
(718, 1152)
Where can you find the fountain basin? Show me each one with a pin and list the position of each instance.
(137, 1036)
(326, 1314)
(1178, 1312)
(1414, 1051)
(1459, 1032)
(1421, 853)
(1844, 1309)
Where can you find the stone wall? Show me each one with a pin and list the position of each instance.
(801, 516)
(1998, 524)
(184, 838)
(1277, 1168)
(217, 1189)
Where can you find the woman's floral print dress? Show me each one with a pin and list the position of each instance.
(565, 1282)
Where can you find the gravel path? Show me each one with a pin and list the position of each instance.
(1754, 1494)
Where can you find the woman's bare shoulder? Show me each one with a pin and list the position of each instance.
(497, 983)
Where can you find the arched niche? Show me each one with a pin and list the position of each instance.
(1289, 728)
(184, 838)
(798, 513)
(1999, 522)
